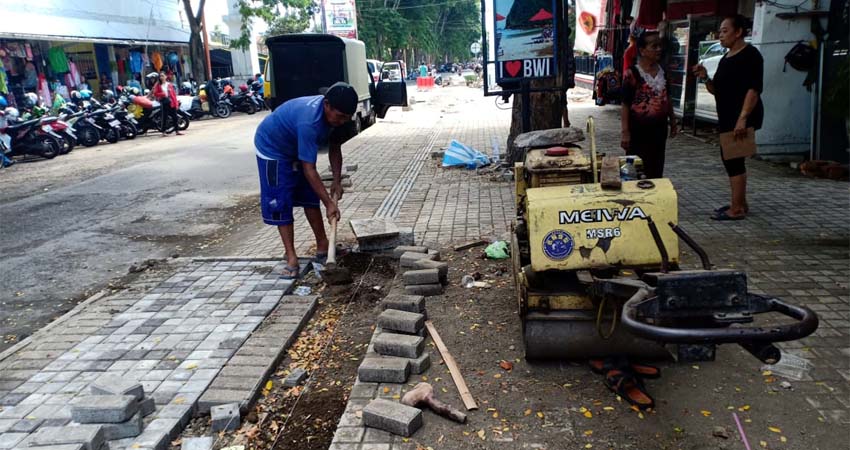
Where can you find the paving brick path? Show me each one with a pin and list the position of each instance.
(172, 335)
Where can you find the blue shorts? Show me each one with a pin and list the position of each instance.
(282, 187)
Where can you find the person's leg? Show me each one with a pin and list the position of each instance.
(174, 117)
(317, 223)
(163, 111)
(738, 183)
(309, 200)
(737, 171)
(287, 235)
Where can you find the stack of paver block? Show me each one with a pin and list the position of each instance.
(397, 351)
(426, 275)
(114, 410)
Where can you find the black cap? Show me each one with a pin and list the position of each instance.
(342, 97)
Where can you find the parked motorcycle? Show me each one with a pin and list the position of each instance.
(31, 137)
(242, 101)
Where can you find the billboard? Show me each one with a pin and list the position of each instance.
(340, 18)
(525, 39)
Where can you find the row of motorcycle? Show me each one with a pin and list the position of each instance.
(34, 131)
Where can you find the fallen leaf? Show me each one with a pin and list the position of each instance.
(678, 429)
(498, 375)
(527, 412)
(744, 408)
(763, 444)
(269, 385)
(783, 439)
(608, 408)
(507, 365)
(588, 414)
(481, 434)
(705, 413)
(495, 415)
(767, 373)
(588, 446)
(540, 414)
(386, 390)
(588, 432)
(640, 415)
(774, 429)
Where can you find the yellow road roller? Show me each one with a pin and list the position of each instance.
(596, 265)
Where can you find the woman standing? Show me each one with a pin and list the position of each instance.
(737, 87)
(647, 107)
(166, 94)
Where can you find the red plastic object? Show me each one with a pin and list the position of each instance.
(144, 102)
(557, 151)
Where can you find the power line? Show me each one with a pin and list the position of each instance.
(419, 6)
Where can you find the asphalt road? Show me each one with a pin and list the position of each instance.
(75, 224)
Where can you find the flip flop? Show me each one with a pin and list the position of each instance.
(321, 258)
(290, 273)
(630, 388)
(722, 215)
(722, 208)
(641, 370)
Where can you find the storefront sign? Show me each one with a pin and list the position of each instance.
(588, 22)
(525, 39)
(340, 18)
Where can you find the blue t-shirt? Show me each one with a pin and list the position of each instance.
(294, 131)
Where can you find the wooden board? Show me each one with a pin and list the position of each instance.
(465, 395)
(610, 177)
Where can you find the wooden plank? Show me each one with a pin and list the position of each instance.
(471, 244)
(610, 177)
(465, 395)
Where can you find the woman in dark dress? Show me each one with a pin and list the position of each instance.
(646, 107)
(737, 87)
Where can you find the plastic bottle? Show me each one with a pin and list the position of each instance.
(628, 170)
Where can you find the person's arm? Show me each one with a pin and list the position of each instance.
(307, 151)
(750, 102)
(335, 158)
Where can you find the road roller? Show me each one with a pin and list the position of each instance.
(596, 261)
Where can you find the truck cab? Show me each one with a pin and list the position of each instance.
(301, 65)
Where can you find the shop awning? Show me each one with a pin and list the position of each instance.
(37, 24)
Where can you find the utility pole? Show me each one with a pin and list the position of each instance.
(324, 19)
(206, 44)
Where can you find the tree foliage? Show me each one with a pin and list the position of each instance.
(431, 30)
(282, 16)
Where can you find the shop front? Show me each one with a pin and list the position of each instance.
(71, 46)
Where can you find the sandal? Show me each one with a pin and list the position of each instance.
(630, 388)
(641, 370)
(290, 273)
(724, 215)
(726, 208)
(321, 258)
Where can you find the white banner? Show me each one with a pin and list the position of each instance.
(588, 22)
(341, 18)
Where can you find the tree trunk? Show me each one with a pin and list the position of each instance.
(546, 113)
(196, 44)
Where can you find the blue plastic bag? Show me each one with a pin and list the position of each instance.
(460, 155)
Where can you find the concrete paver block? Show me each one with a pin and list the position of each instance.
(197, 443)
(419, 365)
(225, 417)
(439, 265)
(26, 425)
(90, 436)
(428, 290)
(433, 255)
(104, 408)
(421, 276)
(387, 369)
(59, 447)
(408, 259)
(117, 385)
(402, 345)
(394, 417)
(296, 377)
(127, 429)
(374, 227)
(147, 406)
(403, 302)
(382, 244)
(402, 249)
(11, 440)
(401, 321)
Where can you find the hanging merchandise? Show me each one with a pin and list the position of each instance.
(75, 74)
(156, 60)
(146, 62)
(4, 88)
(43, 90)
(57, 60)
(58, 102)
(30, 77)
(28, 50)
(120, 63)
(135, 62)
(101, 56)
(588, 22)
(69, 81)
